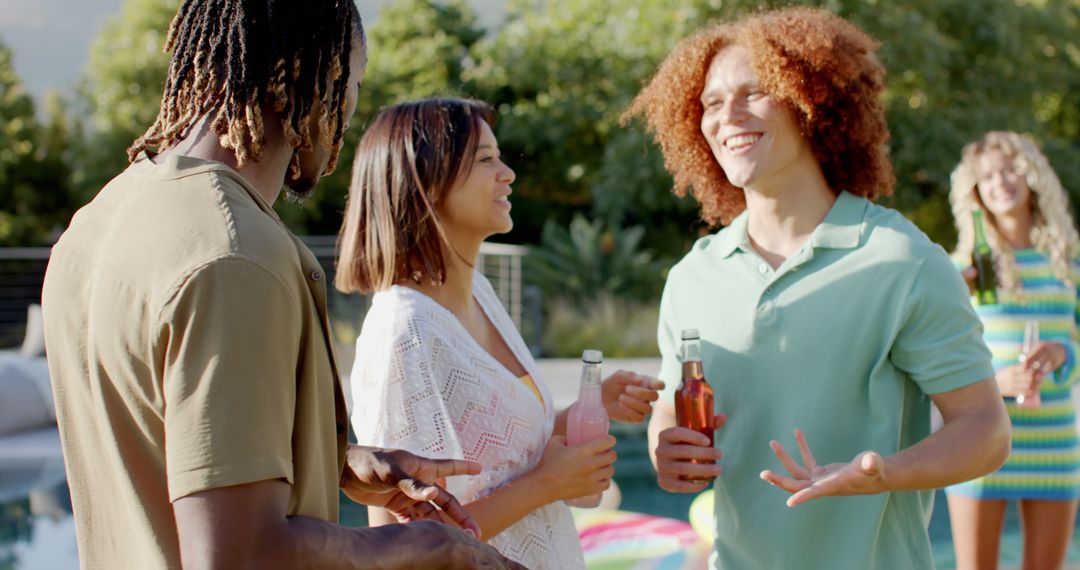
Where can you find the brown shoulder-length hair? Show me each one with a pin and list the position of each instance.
(406, 162)
(816, 62)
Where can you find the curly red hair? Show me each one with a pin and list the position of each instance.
(816, 62)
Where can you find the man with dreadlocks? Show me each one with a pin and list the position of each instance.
(199, 407)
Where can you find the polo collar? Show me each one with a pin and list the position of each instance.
(841, 228)
(733, 237)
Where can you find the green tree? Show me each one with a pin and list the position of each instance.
(416, 48)
(35, 182)
(561, 73)
(121, 89)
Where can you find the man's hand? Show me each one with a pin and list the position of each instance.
(864, 475)
(247, 526)
(430, 545)
(676, 448)
(404, 484)
(628, 396)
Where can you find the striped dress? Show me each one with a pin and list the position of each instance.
(1045, 458)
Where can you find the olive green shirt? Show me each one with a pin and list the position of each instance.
(189, 350)
(844, 340)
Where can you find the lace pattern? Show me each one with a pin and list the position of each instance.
(422, 383)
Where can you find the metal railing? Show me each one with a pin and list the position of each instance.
(22, 271)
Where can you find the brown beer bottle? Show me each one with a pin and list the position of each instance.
(694, 398)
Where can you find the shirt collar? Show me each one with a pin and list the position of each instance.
(733, 237)
(841, 228)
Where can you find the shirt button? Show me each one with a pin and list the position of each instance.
(340, 428)
(763, 269)
(315, 275)
(768, 290)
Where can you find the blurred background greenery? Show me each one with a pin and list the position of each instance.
(591, 197)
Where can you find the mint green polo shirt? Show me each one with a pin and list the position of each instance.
(845, 340)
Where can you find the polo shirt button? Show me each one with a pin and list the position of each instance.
(763, 268)
(315, 275)
(768, 290)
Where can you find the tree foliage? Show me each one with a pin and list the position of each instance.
(560, 72)
(416, 48)
(121, 89)
(35, 182)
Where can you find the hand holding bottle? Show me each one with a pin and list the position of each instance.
(1014, 381)
(970, 274)
(686, 459)
(982, 259)
(572, 471)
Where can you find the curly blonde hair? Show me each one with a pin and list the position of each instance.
(1052, 229)
(819, 64)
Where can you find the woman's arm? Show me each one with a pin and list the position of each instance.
(564, 472)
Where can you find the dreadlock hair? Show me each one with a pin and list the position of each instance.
(232, 57)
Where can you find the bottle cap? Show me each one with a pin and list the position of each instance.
(690, 334)
(592, 356)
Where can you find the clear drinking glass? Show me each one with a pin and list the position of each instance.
(1031, 338)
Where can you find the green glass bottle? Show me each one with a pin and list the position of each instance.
(982, 259)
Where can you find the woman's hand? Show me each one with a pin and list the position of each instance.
(1045, 357)
(1018, 379)
(568, 472)
(628, 396)
(970, 274)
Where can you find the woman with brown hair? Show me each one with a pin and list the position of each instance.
(439, 365)
(1030, 230)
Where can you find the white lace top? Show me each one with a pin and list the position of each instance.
(423, 384)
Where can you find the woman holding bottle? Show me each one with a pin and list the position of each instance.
(1005, 195)
(439, 365)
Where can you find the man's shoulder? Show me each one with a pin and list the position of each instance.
(701, 250)
(152, 232)
(890, 235)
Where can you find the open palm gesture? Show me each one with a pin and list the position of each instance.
(864, 475)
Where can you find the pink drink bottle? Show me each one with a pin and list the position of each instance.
(587, 419)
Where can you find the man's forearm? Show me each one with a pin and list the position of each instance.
(314, 543)
(973, 442)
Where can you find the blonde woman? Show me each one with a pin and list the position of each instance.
(1031, 232)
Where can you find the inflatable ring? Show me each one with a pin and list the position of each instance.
(701, 516)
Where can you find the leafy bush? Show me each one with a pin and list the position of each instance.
(620, 327)
(590, 259)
